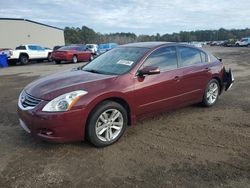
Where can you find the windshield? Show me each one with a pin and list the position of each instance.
(67, 48)
(117, 61)
(89, 46)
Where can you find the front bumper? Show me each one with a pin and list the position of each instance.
(54, 127)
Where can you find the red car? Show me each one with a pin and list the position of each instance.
(73, 53)
(99, 100)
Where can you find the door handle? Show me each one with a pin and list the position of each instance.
(207, 69)
(177, 78)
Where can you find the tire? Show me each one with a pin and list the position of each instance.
(237, 45)
(91, 57)
(74, 59)
(211, 94)
(50, 57)
(101, 119)
(23, 59)
(57, 61)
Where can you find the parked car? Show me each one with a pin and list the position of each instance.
(56, 48)
(243, 42)
(93, 48)
(72, 53)
(229, 43)
(99, 100)
(216, 43)
(25, 53)
(196, 44)
(102, 48)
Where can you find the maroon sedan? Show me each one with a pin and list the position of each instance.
(73, 53)
(99, 100)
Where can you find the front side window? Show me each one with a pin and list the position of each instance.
(191, 56)
(164, 58)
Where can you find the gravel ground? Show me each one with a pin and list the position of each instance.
(188, 147)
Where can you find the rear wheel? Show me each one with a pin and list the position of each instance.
(211, 93)
(57, 61)
(91, 57)
(24, 59)
(107, 124)
(74, 59)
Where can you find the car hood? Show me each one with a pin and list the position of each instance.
(49, 87)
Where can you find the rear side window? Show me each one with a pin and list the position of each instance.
(81, 48)
(21, 48)
(191, 56)
(164, 58)
(39, 48)
(31, 47)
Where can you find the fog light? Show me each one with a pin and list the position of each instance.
(46, 132)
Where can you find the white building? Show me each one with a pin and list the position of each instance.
(15, 31)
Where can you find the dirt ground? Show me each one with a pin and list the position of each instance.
(188, 147)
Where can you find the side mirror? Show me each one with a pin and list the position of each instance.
(149, 70)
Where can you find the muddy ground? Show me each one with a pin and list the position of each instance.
(188, 147)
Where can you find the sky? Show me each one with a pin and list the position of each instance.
(137, 16)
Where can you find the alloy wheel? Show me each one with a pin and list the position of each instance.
(75, 59)
(212, 93)
(109, 125)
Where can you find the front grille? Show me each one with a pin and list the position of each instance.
(29, 101)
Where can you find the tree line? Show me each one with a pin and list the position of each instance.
(87, 35)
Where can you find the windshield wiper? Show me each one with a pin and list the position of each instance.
(93, 71)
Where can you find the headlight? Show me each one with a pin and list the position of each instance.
(64, 102)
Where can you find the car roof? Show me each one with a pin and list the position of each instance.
(147, 44)
(154, 45)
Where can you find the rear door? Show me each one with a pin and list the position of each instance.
(33, 52)
(83, 55)
(161, 91)
(42, 53)
(195, 73)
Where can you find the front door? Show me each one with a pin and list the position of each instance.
(161, 91)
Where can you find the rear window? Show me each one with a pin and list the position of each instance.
(68, 48)
(21, 48)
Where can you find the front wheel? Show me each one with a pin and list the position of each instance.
(74, 59)
(107, 124)
(24, 59)
(211, 93)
